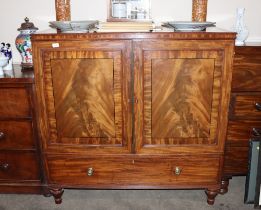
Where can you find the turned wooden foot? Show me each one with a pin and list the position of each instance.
(224, 185)
(211, 196)
(57, 194)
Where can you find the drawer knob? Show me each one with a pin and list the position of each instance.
(90, 171)
(178, 171)
(256, 132)
(2, 135)
(258, 106)
(4, 166)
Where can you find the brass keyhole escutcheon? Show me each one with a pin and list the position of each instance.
(178, 171)
(90, 171)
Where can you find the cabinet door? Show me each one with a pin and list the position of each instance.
(83, 91)
(182, 94)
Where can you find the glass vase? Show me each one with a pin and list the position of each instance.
(240, 27)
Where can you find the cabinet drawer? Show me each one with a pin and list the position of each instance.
(236, 161)
(246, 106)
(195, 171)
(16, 135)
(247, 69)
(14, 102)
(18, 166)
(240, 132)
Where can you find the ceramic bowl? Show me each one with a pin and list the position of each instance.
(190, 26)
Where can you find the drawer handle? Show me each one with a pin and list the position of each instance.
(90, 171)
(258, 106)
(2, 135)
(4, 166)
(178, 171)
(256, 132)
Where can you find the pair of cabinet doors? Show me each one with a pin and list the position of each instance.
(133, 96)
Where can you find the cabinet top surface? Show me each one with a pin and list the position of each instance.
(210, 33)
(17, 75)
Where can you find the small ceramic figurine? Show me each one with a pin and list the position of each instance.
(23, 43)
(240, 28)
(8, 54)
(3, 62)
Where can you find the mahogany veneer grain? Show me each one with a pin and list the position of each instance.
(247, 69)
(136, 172)
(236, 161)
(20, 166)
(240, 131)
(14, 103)
(16, 135)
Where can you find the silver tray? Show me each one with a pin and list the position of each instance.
(74, 26)
(189, 25)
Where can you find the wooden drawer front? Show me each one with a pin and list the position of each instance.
(247, 69)
(18, 166)
(14, 102)
(246, 106)
(236, 161)
(143, 171)
(16, 135)
(240, 132)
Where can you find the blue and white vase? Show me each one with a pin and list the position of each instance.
(23, 43)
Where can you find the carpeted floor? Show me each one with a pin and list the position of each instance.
(131, 200)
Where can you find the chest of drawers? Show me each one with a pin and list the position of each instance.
(19, 155)
(245, 110)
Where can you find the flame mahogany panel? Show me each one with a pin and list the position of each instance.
(181, 102)
(86, 97)
(181, 97)
(84, 100)
(85, 106)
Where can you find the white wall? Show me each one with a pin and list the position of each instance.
(41, 11)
